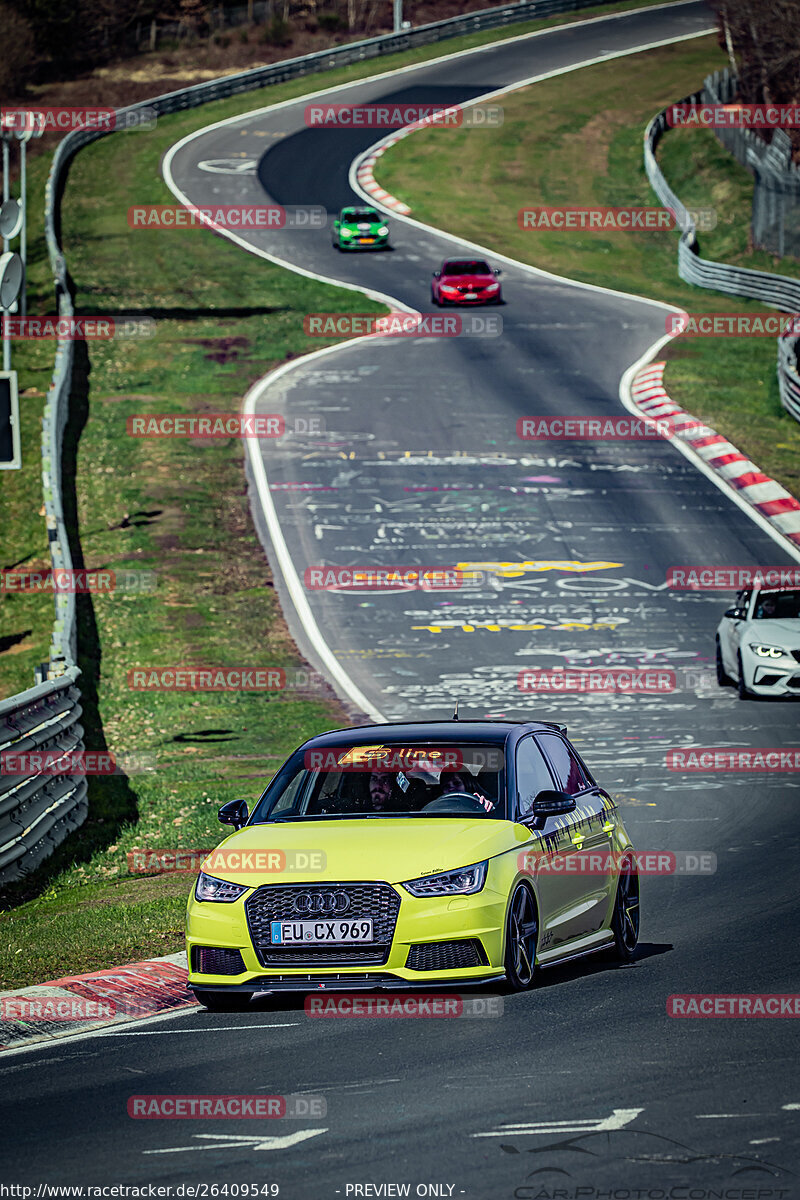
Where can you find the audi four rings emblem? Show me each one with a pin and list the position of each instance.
(322, 902)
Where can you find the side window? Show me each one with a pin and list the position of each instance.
(569, 774)
(532, 775)
(288, 799)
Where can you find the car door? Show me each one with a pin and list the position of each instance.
(550, 854)
(734, 629)
(588, 830)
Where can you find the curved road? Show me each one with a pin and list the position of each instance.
(421, 464)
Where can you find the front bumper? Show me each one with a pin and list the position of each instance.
(380, 243)
(343, 983)
(478, 302)
(771, 677)
(421, 922)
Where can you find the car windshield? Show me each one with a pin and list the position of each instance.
(777, 606)
(473, 266)
(360, 214)
(416, 779)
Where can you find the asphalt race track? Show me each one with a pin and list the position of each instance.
(584, 1082)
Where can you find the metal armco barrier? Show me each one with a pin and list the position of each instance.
(776, 191)
(38, 812)
(777, 291)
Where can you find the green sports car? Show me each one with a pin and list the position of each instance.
(359, 229)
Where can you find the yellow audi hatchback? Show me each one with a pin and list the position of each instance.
(411, 855)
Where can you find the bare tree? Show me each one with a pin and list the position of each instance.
(762, 40)
(18, 58)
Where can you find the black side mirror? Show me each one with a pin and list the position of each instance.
(736, 613)
(234, 813)
(497, 271)
(552, 804)
(436, 274)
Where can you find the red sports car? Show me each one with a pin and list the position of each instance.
(465, 281)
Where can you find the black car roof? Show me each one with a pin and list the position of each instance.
(493, 732)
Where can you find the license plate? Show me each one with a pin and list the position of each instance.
(366, 239)
(314, 932)
(470, 295)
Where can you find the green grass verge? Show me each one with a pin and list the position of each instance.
(178, 508)
(577, 139)
(68, 931)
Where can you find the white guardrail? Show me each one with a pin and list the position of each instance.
(37, 811)
(778, 291)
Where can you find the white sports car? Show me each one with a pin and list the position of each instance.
(758, 643)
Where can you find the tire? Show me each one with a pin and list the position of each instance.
(741, 686)
(723, 678)
(223, 1001)
(625, 917)
(434, 300)
(522, 935)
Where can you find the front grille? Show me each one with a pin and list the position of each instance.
(447, 956)
(794, 682)
(213, 960)
(795, 654)
(272, 902)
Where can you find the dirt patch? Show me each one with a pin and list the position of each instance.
(593, 141)
(221, 350)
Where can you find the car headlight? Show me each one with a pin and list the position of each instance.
(492, 287)
(448, 287)
(463, 882)
(382, 232)
(767, 651)
(209, 888)
(346, 232)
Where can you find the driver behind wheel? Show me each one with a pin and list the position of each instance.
(452, 783)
